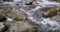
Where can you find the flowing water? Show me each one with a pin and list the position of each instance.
(35, 14)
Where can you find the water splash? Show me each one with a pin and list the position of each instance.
(46, 3)
(35, 16)
(9, 19)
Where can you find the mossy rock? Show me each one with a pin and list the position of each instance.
(2, 18)
(5, 28)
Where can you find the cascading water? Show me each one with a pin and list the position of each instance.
(35, 15)
(46, 24)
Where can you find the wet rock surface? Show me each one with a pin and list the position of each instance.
(20, 26)
(17, 16)
(57, 17)
(50, 11)
(19, 23)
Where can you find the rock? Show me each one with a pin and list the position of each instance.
(30, 3)
(5, 28)
(57, 17)
(50, 11)
(20, 26)
(3, 12)
(56, 0)
(2, 18)
(23, 1)
(17, 15)
(1, 25)
(4, 9)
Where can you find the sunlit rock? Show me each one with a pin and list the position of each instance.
(17, 15)
(20, 26)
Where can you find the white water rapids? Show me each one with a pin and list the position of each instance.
(35, 15)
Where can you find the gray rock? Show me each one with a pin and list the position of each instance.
(1, 25)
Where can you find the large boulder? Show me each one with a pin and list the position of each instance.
(14, 14)
(20, 26)
(50, 11)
